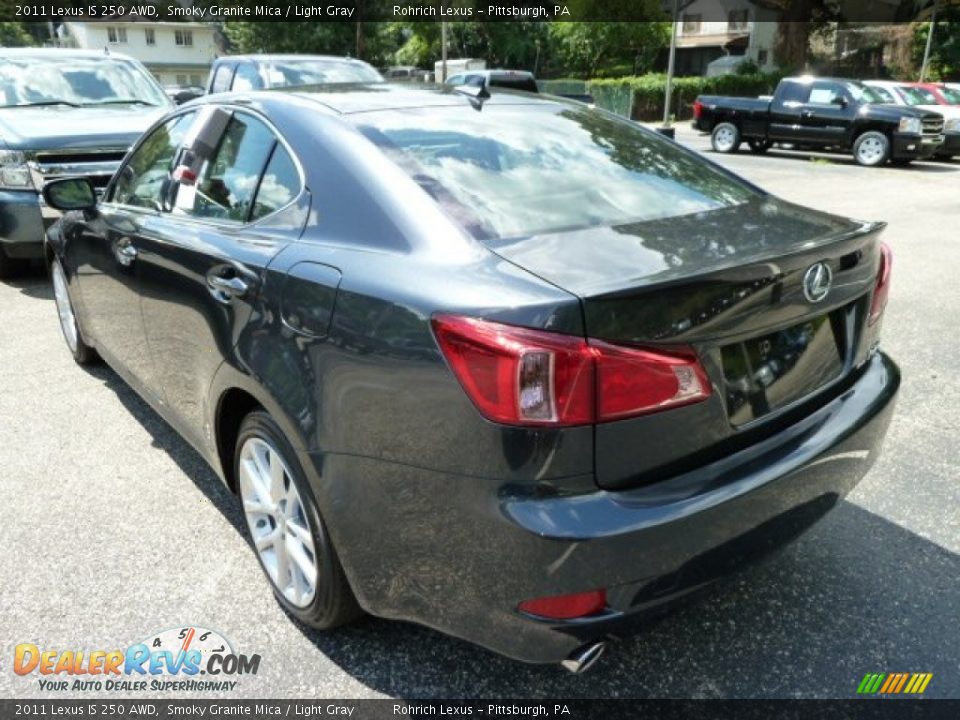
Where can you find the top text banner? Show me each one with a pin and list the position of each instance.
(450, 10)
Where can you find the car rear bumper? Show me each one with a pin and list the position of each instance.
(459, 553)
(23, 222)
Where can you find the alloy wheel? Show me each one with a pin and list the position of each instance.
(724, 139)
(871, 150)
(278, 522)
(68, 322)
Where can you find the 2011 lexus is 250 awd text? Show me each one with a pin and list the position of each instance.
(507, 366)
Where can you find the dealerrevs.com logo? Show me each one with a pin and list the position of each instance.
(181, 659)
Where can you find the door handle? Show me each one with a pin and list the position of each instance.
(225, 288)
(126, 254)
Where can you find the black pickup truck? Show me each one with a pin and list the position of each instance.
(811, 113)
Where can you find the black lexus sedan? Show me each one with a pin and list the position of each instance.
(508, 366)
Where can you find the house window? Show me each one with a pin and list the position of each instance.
(737, 20)
(150, 36)
(116, 35)
(761, 57)
(181, 80)
(691, 24)
(195, 80)
(184, 38)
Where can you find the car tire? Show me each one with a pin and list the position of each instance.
(286, 529)
(871, 149)
(725, 138)
(83, 354)
(759, 147)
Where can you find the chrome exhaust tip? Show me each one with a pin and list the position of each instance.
(584, 658)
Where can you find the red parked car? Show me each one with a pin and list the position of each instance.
(943, 94)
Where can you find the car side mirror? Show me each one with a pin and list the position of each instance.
(72, 193)
(841, 101)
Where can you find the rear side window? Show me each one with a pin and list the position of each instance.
(516, 170)
(793, 92)
(279, 186)
(221, 79)
(228, 181)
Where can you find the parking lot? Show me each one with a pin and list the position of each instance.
(114, 529)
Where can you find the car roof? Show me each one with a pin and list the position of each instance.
(287, 57)
(61, 52)
(348, 98)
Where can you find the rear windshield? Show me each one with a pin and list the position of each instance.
(526, 84)
(516, 170)
(295, 73)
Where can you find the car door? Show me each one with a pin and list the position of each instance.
(785, 110)
(104, 252)
(827, 115)
(203, 261)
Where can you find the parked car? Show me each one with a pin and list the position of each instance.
(181, 94)
(63, 112)
(509, 80)
(243, 73)
(821, 114)
(407, 73)
(522, 375)
(918, 96)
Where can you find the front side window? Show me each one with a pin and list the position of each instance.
(825, 94)
(228, 182)
(518, 170)
(886, 97)
(143, 179)
(247, 78)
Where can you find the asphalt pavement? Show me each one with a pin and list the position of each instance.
(113, 529)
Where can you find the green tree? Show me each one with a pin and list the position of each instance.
(14, 34)
(326, 38)
(945, 48)
(632, 35)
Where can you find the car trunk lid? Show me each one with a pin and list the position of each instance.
(773, 297)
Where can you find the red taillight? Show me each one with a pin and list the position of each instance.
(881, 290)
(519, 376)
(697, 109)
(634, 382)
(566, 607)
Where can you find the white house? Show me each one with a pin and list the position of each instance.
(709, 29)
(177, 53)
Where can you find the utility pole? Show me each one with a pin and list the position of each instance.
(926, 52)
(666, 129)
(443, 51)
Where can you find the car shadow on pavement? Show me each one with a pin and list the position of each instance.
(855, 594)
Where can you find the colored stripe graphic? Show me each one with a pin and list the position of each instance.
(894, 683)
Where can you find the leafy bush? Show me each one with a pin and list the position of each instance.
(641, 96)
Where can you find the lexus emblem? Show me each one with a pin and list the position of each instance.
(817, 281)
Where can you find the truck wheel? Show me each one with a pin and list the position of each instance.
(759, 147)
(871, 149)
(725, 138)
